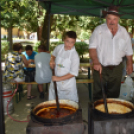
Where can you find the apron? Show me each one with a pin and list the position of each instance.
(67, 88)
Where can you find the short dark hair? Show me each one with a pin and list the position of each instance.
(29, 47)
(17, 46)
(42, 47)
(70, 34)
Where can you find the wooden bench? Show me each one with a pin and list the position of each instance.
(19, 93)
(77, 81)
(84, 80)
(88, 81)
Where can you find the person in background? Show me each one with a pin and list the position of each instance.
(65, 61)
(14, 64)
(124, 73)
(43, 71)
(29, 54)
(108, 44)
(132, 39)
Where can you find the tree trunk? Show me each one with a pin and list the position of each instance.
(39, 32)
(28, 35)
(132, 30)
(9, 39)
(127, 28)
(45, 35)
(18, 33)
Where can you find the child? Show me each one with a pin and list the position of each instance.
(65, 61)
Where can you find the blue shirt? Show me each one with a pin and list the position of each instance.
(29, 57)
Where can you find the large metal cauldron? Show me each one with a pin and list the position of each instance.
(70, 124)
(120, 111)
(59, 121)
(116, 108)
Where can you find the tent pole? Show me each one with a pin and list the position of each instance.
(48, 30)
(2, 124)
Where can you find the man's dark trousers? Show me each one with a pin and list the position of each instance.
(111, 77)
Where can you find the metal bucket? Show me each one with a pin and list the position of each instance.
(7, 94)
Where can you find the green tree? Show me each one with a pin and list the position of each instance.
(62, 23)
(18, 13)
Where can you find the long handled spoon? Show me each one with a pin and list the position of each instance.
(55, 87)
(104, 95)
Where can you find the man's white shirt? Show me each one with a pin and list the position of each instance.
(110, 49)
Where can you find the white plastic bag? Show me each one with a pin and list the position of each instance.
(127, 89)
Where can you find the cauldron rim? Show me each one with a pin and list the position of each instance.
(126, 115)
(113, 116)
(116, 100)
(53, 102)
(58, 120)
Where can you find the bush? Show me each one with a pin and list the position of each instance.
(81, 48)
(53, 45)
(84, 35)
(35, 47)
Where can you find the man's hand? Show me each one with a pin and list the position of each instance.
(129, 69)
(96, 64)
(98, 67)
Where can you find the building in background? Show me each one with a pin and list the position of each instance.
(33, 36)
(16, 34)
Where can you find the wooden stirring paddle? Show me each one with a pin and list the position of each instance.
(56, 94)
(104, 95)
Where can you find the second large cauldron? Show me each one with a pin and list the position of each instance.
(115, 106)
(120, 112)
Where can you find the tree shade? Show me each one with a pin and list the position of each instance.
(88, 7)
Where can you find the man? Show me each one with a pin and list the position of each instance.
(109, 43)
(43, 71)
(29, 54)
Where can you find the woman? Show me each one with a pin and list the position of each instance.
(14, 66)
